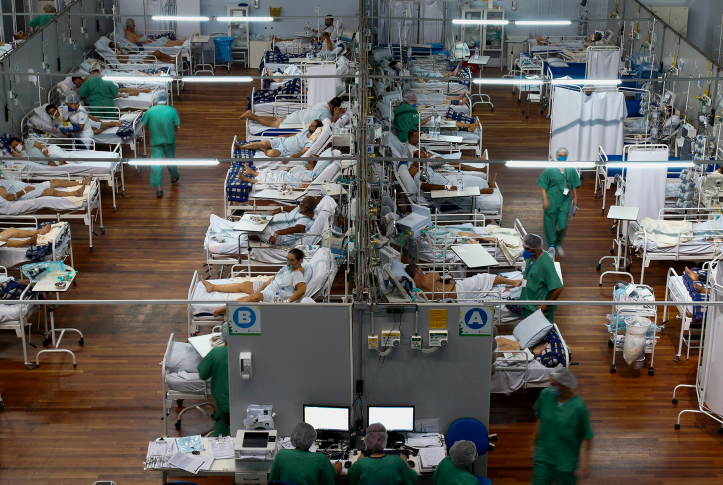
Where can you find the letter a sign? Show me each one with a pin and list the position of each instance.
(475, 321)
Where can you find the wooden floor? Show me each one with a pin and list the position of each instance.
(63, 425)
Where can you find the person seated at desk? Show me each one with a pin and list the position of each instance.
(436, 181)
(454, 469)
(12, 190)
(540, 276)
(294, 145)
(465, 288)
(300, 466)
(320, 111)
(140, 39)
(298, 176)
(125, 56)
(379, 468)
(406, 116)
(289, 284)
(215, 367)
(38, 22)
(36, 150)
(75, 113)
(32, 236)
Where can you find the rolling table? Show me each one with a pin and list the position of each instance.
(47, 284)
(444, 138)
(467, 192)
(622, 215)
(273, 194)
(480, 61)
(474, 255)
(201, 39)
(202, 344)
(245, 223)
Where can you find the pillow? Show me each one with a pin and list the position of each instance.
(329, 172)
(319, 142)
(532, 330)
(554, 62)
(398, 270)
(66, 85)
(322, 164)
(320, 223)
(43, 115)
(183, 357)
(319, 265)
(102, 45)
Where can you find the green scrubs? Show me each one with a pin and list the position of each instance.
(215, 367)
(541, 279)
(406, 117)
(99, 94)
(555, 182)
(562, 430)
(40, 20)
(162, 121)
(449, 474)
(302, 468)
(387, 470)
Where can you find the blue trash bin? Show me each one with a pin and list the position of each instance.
(223, 49)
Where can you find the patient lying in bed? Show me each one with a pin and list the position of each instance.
(413, 144)
(298, 176)
(32, 149)
(11, 190)
(294, 145)
(11, 236)
(466, 288)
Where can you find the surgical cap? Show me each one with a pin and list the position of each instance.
(564, 377)
(72, 98)
(410, 98)
(303, 436)
(376, 437)
(463, 453)
(48, 8)
(532, 241)
(560, 151)
(161, 97)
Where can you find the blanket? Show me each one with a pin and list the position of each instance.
(509, 241)
(665, 234)
(78, 201)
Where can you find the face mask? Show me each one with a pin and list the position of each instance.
(555, 391)
(70, 109)
(526, 254)
(562, 158)
(289, 266)
(55, 115)
(19, 148)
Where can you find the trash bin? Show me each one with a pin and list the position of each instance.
(223, 49)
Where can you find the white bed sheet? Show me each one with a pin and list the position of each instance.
(508, 379)
(111, 138)
(142, 101)
(20, 207)
(84, 168)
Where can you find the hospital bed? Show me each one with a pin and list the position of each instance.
(119, 37)
(86, 208)
(105, 169)
(179, 384)
(320, 270)
(143, 101)
(563, 43)
(17, 317)
(59, 248)
(690, 315)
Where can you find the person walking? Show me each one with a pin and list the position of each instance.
(163, 122)
(562, 437)
(559, 188)
(215, 367)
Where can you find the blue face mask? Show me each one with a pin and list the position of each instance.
(562, 158)
(70, 109)
(555, 391)
(526, 254)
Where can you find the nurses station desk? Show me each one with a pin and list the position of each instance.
(256, 472)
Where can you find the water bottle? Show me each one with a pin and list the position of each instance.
(308, 27)
(460, 181)
(277, 298)
(436, 127)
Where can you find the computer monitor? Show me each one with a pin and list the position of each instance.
(327, 418)
(394, 418)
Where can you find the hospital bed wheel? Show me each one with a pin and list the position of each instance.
(613, 369)
(29, 366)
(115, 208)
(81, 341)
(677, 426)
(492, 109)
(123, 191)
(610, 343)
(519, 101)
(2, 404)
(547, 117)
(527, 117)
(627, 268)
(676, 358)
(720, 430)
(675, 401)
(102, 229)
(138, 169)
(179, 402)
(542, 111)
(91, 249)
(598, 267)
(612, 251)
(178, 425)
(651, 372)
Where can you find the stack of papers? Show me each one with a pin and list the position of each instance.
(423, 440)
(159, 454)
(429, 458)
(221, 448)
(190, 463)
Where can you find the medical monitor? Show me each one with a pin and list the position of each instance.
(394, 418)
(327, 418)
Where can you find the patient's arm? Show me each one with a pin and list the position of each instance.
(499, 280)
(428, 187)
(301, 152)
(299, 228)
(300, 292)
(472, 235)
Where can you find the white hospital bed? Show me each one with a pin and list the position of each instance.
(675, 290)
(61, 244)
(17, 317)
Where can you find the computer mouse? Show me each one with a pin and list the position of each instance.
(347, 464)
(411, 463)
(196, 452)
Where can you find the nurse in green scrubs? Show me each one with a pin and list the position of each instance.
(300, 466)
(377, 467)
(540, 280)
(215, 367)
(454, 469)
(558, 190)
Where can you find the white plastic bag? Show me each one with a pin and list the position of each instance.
(636, 328)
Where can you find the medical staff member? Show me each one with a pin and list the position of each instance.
(163, 122)
(454, 469)
(406, 118)
(540, 279)
(378, 467)
(300, 466)
(98, 92)
(559, 187)
(215, 367)
(38, 22)
(562, 431)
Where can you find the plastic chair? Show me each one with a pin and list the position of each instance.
(470, 429)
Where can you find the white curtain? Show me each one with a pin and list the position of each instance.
(712, 368)
(321, 90)
(602, 64)
(408, 28)
(582, 123)
(383, 23)
(645, 186)
(431, 31)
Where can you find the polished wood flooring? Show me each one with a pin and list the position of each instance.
(63, 425)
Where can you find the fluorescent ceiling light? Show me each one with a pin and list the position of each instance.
(543, 22)
(216, 79)
(585, 82)
(138, 79)
(245, 19)
(480, 22)
(174, 18)
(507, 82)
(145, 162)
(671, 164)
(547, 163)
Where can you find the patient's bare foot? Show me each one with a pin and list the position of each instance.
(456, 70)
(87, 180)
(245, 115)
(691, 275)
(45, 229)
(492, 181)
(209, 286)
(33, 241)
(220, 311)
